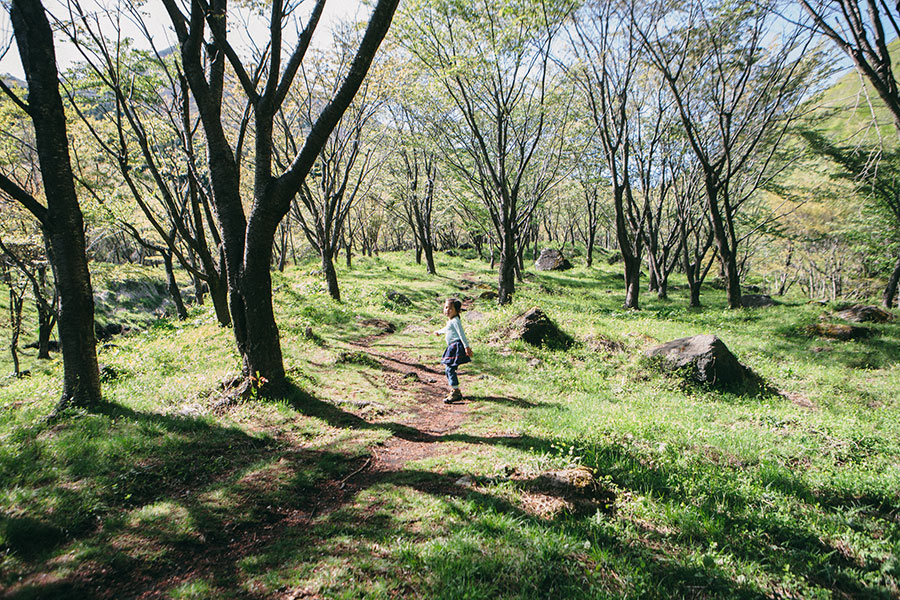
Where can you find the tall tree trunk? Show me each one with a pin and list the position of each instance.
(590, 248)
(890, 292)
(726, 251)
(507, 268)
(174, 290)
(330, 274)
(263, 348)
(662, 291)
(63, 224)
(429, 257)
(45, 331)
(632, 281)
(631, 252)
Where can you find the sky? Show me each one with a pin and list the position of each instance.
(334, 12)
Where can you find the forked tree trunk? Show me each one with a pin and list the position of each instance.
(62, 222)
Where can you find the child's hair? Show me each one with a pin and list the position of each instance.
(456, 304)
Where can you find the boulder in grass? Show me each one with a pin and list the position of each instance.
(552, 260)
(861, 313)
(703, 359)
(536, 328)
(757, 301)
(840, 331)
(398, 298)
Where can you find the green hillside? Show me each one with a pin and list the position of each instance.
(851, 112)
(360, 483)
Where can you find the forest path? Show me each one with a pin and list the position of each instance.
(431, 419)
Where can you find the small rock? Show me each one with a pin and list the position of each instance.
(488, 295)
(605, 345)
(384, 326)
(840, 331)
(412, 376)
(464, 481)
(757, 301)
(534, 327)
(535, 363)
(398, 298)
(190, 410)
(431, 380)
(552, 260)
(860, 313)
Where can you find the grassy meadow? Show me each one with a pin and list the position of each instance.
(167, 493)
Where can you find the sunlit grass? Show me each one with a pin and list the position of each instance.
(791, 491)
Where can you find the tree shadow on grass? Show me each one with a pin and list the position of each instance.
(283, 515)
(878, 351)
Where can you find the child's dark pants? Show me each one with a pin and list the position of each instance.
(452, 379)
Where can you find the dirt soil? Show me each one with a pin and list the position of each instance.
(431, 417)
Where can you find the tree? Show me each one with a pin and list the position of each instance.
(346, 164)
(876, 176)
(136, 106)
(859, 30)
(736, 93)
(491, 65)
(61, 219)
(608, 56)
(202, 32)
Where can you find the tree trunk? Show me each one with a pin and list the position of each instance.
(632, 281)
(330, 274)
(726, 252)
(590, 248)
(63, 224)
(45, 330)
(174, 290)
(662, 291)
(890, 292)
(507, 269)
(262, 356)
(15, 318)
(429, 257)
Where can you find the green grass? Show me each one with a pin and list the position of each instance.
(712, 494)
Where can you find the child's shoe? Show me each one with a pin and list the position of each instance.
(454, 396)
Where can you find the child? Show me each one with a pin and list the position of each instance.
(458, 351)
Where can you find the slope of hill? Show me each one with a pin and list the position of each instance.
(360, 483)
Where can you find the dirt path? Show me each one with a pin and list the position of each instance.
(431, 417)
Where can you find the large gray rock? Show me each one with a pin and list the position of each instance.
(552, 260)
(861, 313)
(756, 301)
(534, 327)
(703, 359)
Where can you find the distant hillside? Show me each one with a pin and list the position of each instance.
(12, 81)
(845, 110)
